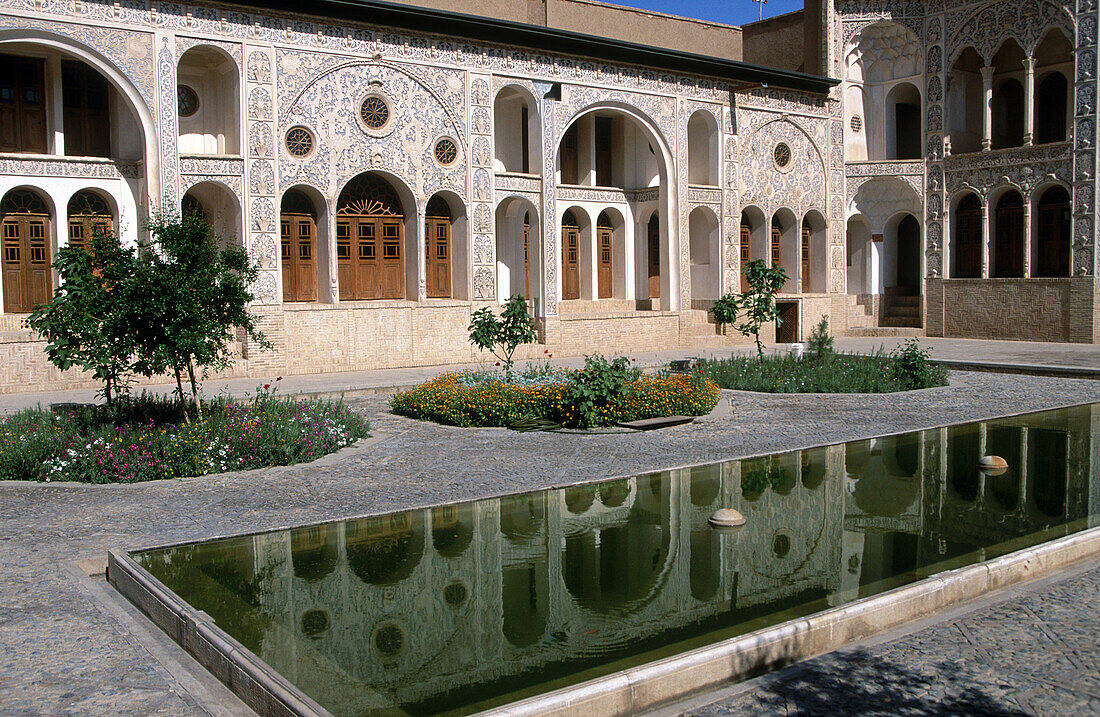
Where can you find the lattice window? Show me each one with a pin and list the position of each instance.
(375, 112)
(299, 142)
(187, 101)
(369, 195)
(446, 151)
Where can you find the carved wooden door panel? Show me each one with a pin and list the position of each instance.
(570, 263)
(437, 240)
(654, 252)
(604, 262)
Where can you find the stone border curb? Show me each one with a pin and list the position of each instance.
(647, 686)
(636, 689)
(250, 678)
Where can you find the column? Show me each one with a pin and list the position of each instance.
(987, 219)
(1027, 230)
(1029, 106)
(987, 108)
(421, 253)
(55, 105)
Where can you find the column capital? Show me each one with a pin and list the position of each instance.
(1028, 63)
(987, 74)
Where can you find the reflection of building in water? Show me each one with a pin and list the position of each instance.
(424, 606)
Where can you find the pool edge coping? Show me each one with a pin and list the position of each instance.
(638, 688)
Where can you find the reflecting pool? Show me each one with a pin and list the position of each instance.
(457, 608)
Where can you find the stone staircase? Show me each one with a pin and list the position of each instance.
(698, 330)
(900, 316)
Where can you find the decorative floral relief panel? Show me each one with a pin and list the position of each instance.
(800, 184)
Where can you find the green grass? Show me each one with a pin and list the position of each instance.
(834, 373)
(148, 438)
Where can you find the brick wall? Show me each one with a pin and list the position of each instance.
(1021, 309)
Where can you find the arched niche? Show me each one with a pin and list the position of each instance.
(219, 206)
(1053, 68)
(705, 253)
(385, 550)
(879, 58)
(965, 98)
(519, 248)
(967, 224)
(208, 97)
(447, 247)
(1009, 103)
(1006, 255)
(377, 247)
(1052, 239)
(609, 255)
(89, 210)
(904, 138)
(703, 152)
(900, 260)
(516, 132)
(813, 246)
(304, 247)
(754, 242)
(860, 256)
(576, 255)
(783, 247)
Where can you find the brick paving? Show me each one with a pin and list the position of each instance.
(63, 652)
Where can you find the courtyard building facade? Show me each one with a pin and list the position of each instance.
(392, 169)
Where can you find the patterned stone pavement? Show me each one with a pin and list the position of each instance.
(1035, 652)
(63, 652)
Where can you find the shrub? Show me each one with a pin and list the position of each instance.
(911, 368)
(820, 343)
(724, 310)
(757, 305)
(600, 386)
(143, 438)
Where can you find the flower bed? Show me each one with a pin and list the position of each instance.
(904, 369)
(147, 439)
(483, 399)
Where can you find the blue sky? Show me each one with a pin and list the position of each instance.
(732, 12)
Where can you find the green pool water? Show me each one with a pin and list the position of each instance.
(454, 609)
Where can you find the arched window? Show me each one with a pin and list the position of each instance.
(968, 239)
(1050, 109)
(1054, 237)
(1008, 254)
(746, 251)
(570, 257)
(370, 236)
(805, 251)
(437, 247)
(298, 228)
(604, 253)
(569, 155)
(777, 244)
(653, 252)
(702, 149)
(22, 104)
(87, 212)
(25, 225)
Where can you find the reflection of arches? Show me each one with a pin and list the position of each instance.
(298, 239)
(963, 454)
(1008, 242)
(705, 568)
(88, 210)
(609, 570)
(313, 552)
(702, 148)
(25, 224)
(516, 138)
(219, 206)
(518, 243)
(1052, 246)
(704, 249)
(525, 598)
(614, 493)
(452, 529)
(887, 483)
(370, 239)
(966, 252)
(385, 551)
(522, 516)
(813, 467)
(209, 113)
(1047, 453)
(706, 482)
(579, 498)
(1006, 442)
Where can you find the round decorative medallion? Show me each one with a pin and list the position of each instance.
(856, 123)
(299, 142)
(187, 101)
(782, 155)
(375, 112)
(389, 640)
(446, 151)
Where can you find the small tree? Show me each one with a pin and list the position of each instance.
(87, 323)
(189, 297)
(757, 305)
(820, 343)
(502, 336)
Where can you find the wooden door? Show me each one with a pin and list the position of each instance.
(299, 245)
(654, 253)
(83, 226)
(968, 239)
(1054, 237)
(393, 265)
(27, 273)
(787, 331)
(22, 104)
(604, 277)
(527, 259)
(437, 240)
(569, 156)
(746, 253)
(777, 248)
(570, 263)
(603, 151)
(805, 259)
(369, 257)
(84, 100)
(1009, 245)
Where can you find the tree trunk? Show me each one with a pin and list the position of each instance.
(194, 388)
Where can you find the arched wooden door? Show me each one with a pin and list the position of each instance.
(604, 261)
(746, 253)
(527, 253)
(1008, 260)
(370, 236)
(777, 245)
(87, 212)
(968, 239)
(653, 234)
(437, 248)
(25, 229)
(570, 257)
(1054, 238)
(805, 251)
(298, 227)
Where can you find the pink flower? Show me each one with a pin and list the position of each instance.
(267, 386)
